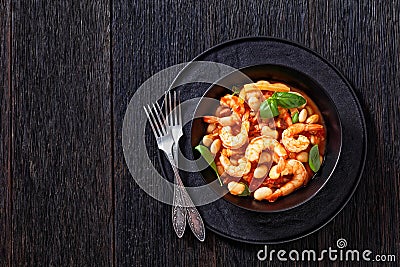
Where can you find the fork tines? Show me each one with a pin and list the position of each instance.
(156, 119)
(173, 110)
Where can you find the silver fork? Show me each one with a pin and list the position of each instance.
(183, 205)
(173, 121)
(173, 113)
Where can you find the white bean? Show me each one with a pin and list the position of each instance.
(302, 156)
(312, 119)
(260, 171)
(207, 140)
(211, 127)
(303, 115)
(236, 188)
(314, 140)
(215, 146)
(273, 173)
(262, 192)
(265, 157)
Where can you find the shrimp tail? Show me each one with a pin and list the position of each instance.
(210, 119)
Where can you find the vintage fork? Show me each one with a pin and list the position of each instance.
(173, 113)
(184, 205)
(173, 120)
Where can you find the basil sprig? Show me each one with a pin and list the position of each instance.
(289, 100)
(313, 159)
(235, 90)
(269, 108)
(209, 157)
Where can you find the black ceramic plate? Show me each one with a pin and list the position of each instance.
(238, 223)
(300, 81)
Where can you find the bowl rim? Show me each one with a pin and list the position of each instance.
(340, 130)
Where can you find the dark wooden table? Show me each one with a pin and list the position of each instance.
(67, 72)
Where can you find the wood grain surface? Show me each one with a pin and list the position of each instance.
(5, 105)
(61, 134)
(68, 71)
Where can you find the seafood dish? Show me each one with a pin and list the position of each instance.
(267, 139)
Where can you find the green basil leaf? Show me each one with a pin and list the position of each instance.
(295, 118)
(209, 157)
(269, 109)
(288, 100)
(246, 192)
(313, 159)
(265, 110)
(273, 105)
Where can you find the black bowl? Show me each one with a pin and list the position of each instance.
(314, 91)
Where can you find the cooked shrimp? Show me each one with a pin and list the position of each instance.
(252, 95)
(233, 152)
(224, 121)
(234, 141)
(258, 144)
(249, 90)
(236, 104)
(281, 165)
(243, 167)
(220, 168)
(265, 130)
(302, 142)
(299, 172)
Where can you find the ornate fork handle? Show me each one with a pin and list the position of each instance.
(194, 219)
(179, 212)
(184, 206)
